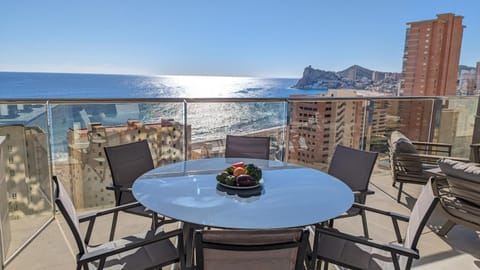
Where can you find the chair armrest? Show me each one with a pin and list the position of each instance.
(361, 195)
(382, 212)
(424, 158)
(437, 157)
(446, 145)
(93, 215)
(394, 216)
(118, 188)
(103, 253)
(366, 192)
(369, 242)
(433, 148)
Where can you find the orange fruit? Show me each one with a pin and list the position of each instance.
(238, 171)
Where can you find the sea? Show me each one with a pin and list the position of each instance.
(15, 85)
(208, 121)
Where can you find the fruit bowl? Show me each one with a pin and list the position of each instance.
(242, 187)
(240, 176)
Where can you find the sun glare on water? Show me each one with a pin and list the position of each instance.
(207, 86)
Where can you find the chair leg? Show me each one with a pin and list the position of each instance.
(400, 187)
(364, 223)
(446, 228)
(155, 224)
(310, 261)
(314, 260)
(330, 223)
(114, 225)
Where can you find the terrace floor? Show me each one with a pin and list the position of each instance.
(459, 250)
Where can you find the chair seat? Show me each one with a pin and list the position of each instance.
(360, 256)
(158, 253)
(281, 249)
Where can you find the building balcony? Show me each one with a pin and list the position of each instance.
(41, 138)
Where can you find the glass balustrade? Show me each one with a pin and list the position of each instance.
(25, 195)
(211, 122)
(67, 138)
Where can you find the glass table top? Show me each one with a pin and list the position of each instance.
(290, 195)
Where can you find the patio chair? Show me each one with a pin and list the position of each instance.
(410, 161)
(127, 162)
(247, 147)
(332, 246)
(142, 251)
(354, 167)
(460, 198)
(282, 249)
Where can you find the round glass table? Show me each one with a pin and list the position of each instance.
(290, 196)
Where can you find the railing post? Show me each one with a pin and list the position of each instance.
(48, 112)
(474, 152)
(5, 233)
(1, 253)
(435, 119)
(369, 105)
(476, 125)
(185, 130)
(285, 130)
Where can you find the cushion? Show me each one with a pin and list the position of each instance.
(463, 179)
(462, 209)
(400, 144)
(459, 169)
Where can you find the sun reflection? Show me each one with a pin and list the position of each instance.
(207, 86)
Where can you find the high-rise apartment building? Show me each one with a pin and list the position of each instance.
(25, 155)
(431, 58)
(315, 127)
(89, 171)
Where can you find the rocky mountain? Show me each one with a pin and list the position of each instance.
(354, 77)
(318, 79)
(356, 72)
(463, 67)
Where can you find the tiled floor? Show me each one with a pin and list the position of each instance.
(459, 250)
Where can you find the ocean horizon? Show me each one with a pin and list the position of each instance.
(25, 85)
(208, 121)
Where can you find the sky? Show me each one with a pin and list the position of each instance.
(260, 38)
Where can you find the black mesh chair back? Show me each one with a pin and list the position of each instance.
(67, 209)
(247, 147)
(127, 162)
(283, 249)
(353, 252)
(419, 216)
(148, 250)
(354, 167)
